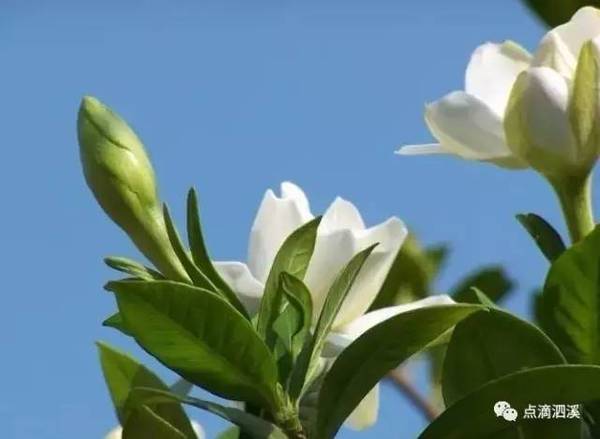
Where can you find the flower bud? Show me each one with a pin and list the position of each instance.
(552, 121)
(120, 175)
(584, 107)
(537, 125)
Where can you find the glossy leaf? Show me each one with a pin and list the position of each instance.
(145, 423)
(487, 346)
(473, 416)
(570, 304)
(200, 255)
(122, 374)
(132, 268)
(299, 298)
(293, 324)
(116, 322)
(492, 280)
(338, 291)
(380, 349)
(293, 257)
(483, 298)
(437, 255)
(545, 236)
(200, 336)
(254, 426)
(198, 278)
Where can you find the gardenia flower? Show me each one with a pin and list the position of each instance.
(117, 432)
(520, 110)
(340, 235)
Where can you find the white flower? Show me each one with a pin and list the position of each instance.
(117, 432)
(341, 234)
(539, 134)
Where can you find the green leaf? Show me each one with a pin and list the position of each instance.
(483, 298)
(294, 328)
(293, 257)
(254, 426)
(380, 349)
(198, 278)
(201, 337)
(473, 416)
(437, 255)
(486, 346)
(116, 322)
(537, 308)
(145, 423)
(122, 374)
(554, 13)
(230, 433)
(545, 236)
(338, 291)
(293, 324)
(570, 304)
(492, 280)
(133, 268)
(200, 255)
(285, 327)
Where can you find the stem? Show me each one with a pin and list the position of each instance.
(294, 430)
(574, 194)
(286, 416)
(399, 378)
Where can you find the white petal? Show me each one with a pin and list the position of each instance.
(583, 26)
(554, 53)
(365, 414)
(117, 432)
(424, 148)
(240, 279)
(543, 114)
(290, 191)
(276, 219)
(199, 430)
(333, 250)
(465, 126)
(341, 214)
(343, 336)
(492, 71)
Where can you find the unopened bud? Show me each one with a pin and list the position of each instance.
(119, 173)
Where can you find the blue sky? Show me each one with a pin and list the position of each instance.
(232, 97)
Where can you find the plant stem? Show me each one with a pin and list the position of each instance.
(399, 378)
(294, 429)
(574, 194)
(287, 417)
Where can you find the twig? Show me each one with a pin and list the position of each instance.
(406, 387)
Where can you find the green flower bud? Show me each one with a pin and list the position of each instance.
(584, 107)
(537, 125)
(119, 173)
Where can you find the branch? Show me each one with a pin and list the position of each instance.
(399, 378)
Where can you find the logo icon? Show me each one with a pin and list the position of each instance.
(504, 410)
